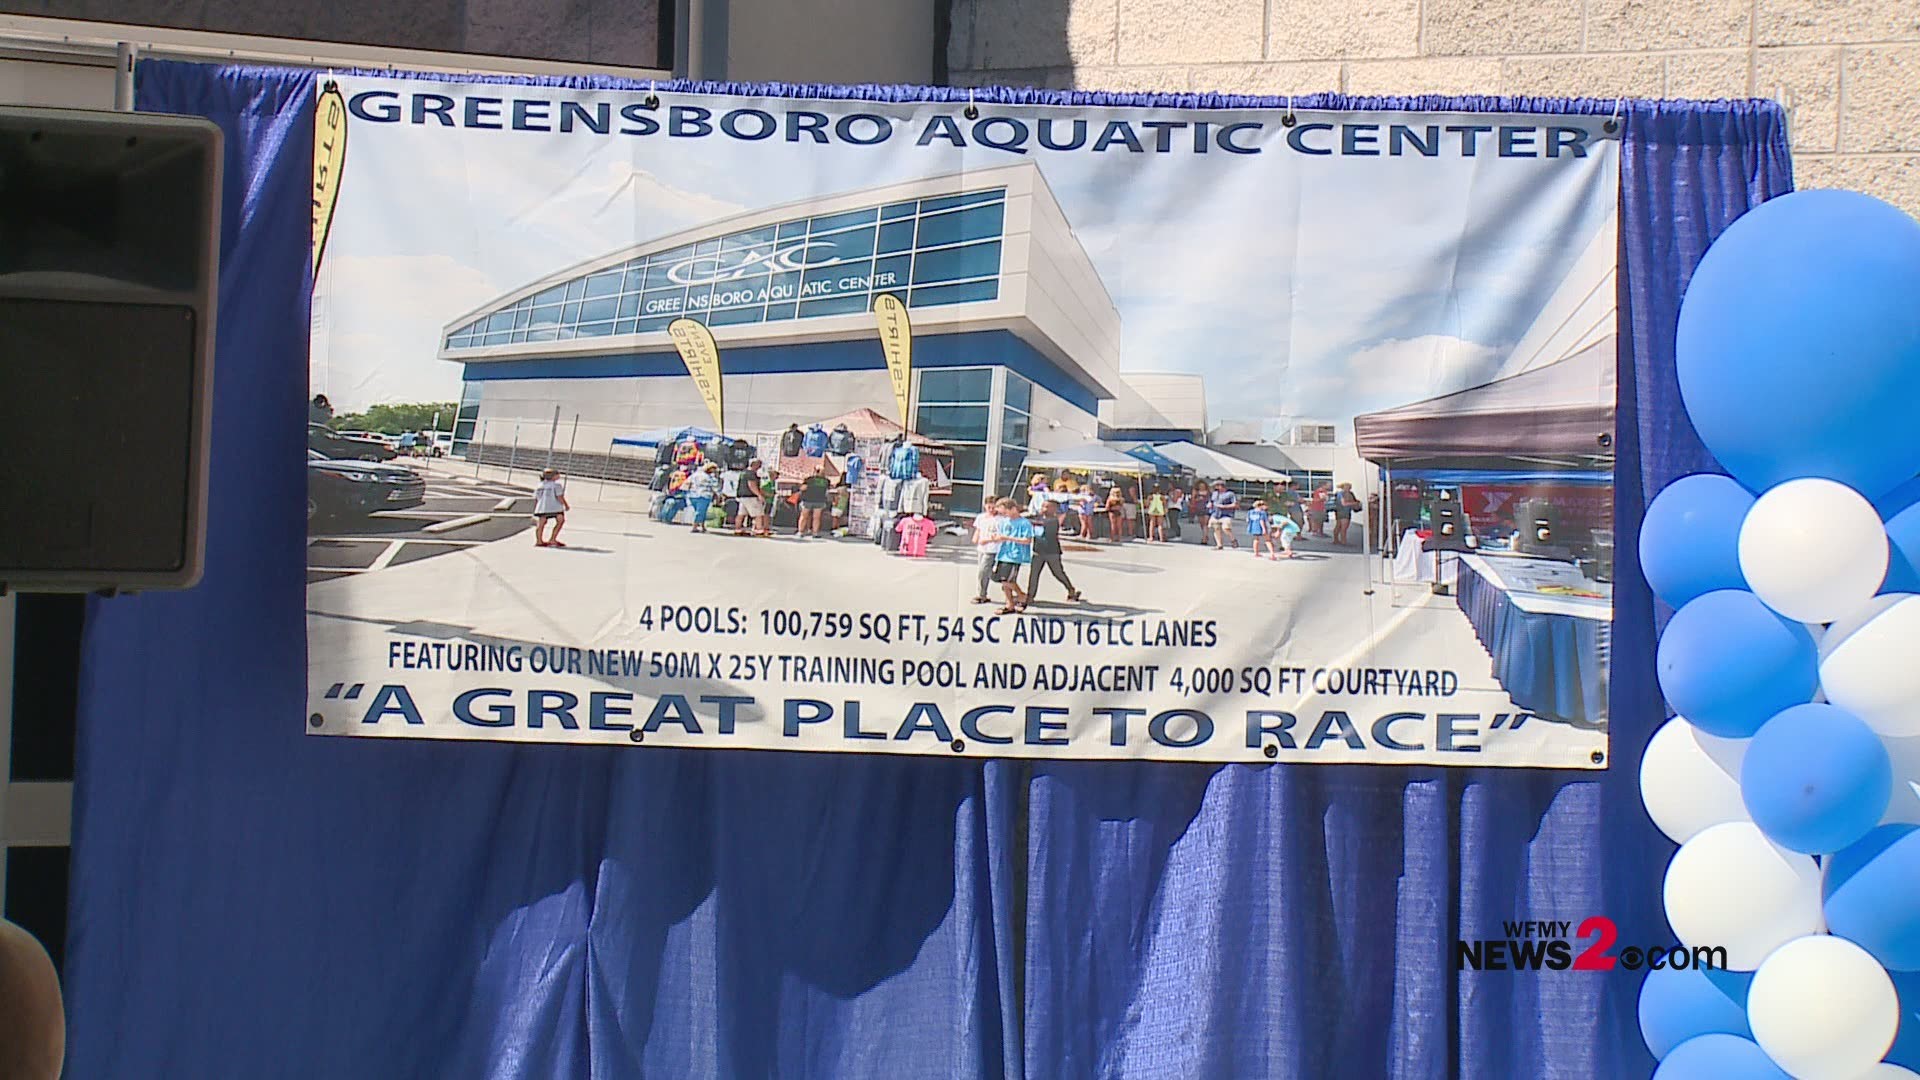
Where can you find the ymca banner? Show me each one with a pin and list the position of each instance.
(933, 428)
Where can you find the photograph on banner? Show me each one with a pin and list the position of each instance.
(954, 429)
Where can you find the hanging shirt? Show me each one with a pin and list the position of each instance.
(903, 463)
(815, 443)
(856, 466)
(916, 495)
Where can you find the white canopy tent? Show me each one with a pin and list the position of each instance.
(1214, 465)
(1091, 457)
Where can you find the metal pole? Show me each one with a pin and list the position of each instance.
(123, 59)
(696, 39)
(6, 727)
(513, 451)
(553, 436)
(1366, 530)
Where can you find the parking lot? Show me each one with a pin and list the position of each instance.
(460, 512)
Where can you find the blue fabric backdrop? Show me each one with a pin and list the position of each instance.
(251, 902)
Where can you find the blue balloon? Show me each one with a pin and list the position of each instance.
(1816, 779)
(1903, 552)
(1728, 663)
(1719, 1057)
(1898, 499)
(1690, 538)
(1679, 1005)
(1873, 896)
(1798, 348)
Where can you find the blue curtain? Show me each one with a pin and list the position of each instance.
(251, 902)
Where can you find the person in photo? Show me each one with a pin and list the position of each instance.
(549, 510)
(1130, 511)
(675, 497)
(753, 501)
(702, 487)
(1015, 553)
(1047, 554)
(1113, 503)
(814, 500)
(1260, 529)
(1345, 502)
(1037, 495)
(1317, 512)
(986, 546)
(1156, 517)
(1286, 530)
(842, 507)
(1222, 504)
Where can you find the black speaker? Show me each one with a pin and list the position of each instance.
(1537, 530)
(1450, 525)
(109, 240)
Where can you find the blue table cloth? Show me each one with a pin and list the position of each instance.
(1553, 665)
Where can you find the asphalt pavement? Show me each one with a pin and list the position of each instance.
(460, 512)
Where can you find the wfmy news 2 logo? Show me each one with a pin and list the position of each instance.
(1550, 946)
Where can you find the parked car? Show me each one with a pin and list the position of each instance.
(340, 446)
(351, 489)
(443, 442)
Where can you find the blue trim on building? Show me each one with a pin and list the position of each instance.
(983, 347)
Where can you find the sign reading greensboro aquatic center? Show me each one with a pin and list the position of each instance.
(1190, 461)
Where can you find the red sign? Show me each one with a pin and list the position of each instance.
(1582, 506)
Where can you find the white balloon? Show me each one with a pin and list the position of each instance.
(1813, 550)
(1872, 672)
(1731, 886)
(1823, 1008)
(1691, 780)
(1835, 635)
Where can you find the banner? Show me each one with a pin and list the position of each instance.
(698, 351)
(329, 156)
(896, 341)
(1183, 388)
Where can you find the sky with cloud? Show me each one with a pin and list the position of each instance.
(1298, 286)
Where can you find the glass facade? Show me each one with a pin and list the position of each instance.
(1016, 423)
(931, 252)
(956, 407)
(469, 413)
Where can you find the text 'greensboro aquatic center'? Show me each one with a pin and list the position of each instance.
(1010, 134)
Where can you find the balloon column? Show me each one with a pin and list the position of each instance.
(1790, 776)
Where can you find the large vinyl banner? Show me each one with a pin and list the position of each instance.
(928, 428)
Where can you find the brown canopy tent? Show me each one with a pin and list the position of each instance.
(1558, 415)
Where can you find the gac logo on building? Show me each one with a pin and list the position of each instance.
(732, 266)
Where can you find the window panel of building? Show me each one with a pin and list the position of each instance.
(956, 386)
(966, 293)
(954, 423)
(959, 226)
(1019, 393)
(715, 275)
(947, 202)
(839, 305)
(966, 498)
(957, 263)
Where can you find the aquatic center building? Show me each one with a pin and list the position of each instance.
(1016, 342)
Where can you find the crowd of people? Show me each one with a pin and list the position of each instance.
(1160, 511)
(1013, 543)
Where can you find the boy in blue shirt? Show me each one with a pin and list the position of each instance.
(1260, 528)
(1016, 551)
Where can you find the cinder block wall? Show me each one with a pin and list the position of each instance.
(1848, 70)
